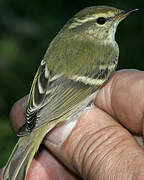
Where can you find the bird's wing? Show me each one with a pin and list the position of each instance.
(51, 97)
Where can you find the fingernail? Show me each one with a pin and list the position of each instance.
(58, 135)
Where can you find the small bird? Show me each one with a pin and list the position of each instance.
(78, 61)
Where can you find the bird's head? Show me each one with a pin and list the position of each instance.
(99, 22)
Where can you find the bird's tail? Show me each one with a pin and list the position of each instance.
(23, 153)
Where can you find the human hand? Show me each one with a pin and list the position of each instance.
(98, 145)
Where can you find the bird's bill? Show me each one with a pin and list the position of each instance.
(125, 14)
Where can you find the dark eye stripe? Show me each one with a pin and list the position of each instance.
(110, 18)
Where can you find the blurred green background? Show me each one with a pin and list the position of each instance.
(26, 29)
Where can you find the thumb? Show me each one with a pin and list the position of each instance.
(96, 147)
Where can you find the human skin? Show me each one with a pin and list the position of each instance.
(99, 145)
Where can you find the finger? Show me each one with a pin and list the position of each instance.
(97, 147)
(122, 97)
(17, 114)
(44, 166)
(47, 167)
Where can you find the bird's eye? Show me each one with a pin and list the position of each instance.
(101, 20)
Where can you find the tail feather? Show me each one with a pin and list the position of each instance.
(23, 153)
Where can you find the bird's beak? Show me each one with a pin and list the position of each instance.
(124, 14)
